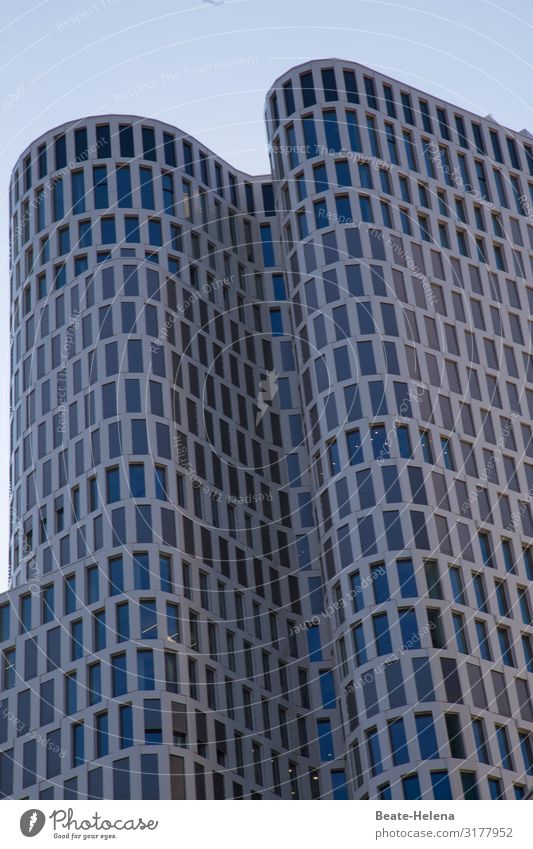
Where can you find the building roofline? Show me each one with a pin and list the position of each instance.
(523, 133)
(135, 119)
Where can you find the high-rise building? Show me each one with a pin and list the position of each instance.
(272, 458)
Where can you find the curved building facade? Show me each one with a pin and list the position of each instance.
(271, 456)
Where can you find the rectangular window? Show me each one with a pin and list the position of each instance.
(101, 734)
(147, 188)
(94, 683)
(169, 147)
(99, 630)
(374, 752)
(381, 634)
(131, 229)
(455, 737)
(101, 200)
(503, 745)
(60, 146)
(325, 740)
(365, 204)
(505, 646)
(124, 194)
(425, 444)
(483, 639)
(359, 643)
(125, 133)
(123, 622)
(148, 619)
(141, 571)
(47, 610)
(370, 92)
(409, 628)
(267, 245)
(331, 128)
(42, 160)
(78, 192)
(398, 741)
(25, 606)
(70, 599)
(103, 141)
(116, 576)
(329, 84)
(76, 639)
(276, 322)
(410, 150)
(188, 158)
(411, 787)
(457, 584)
(173, 627)
(404, 441)
(168, 194)
(136, 480)
(350, 85)
(486, 549)
(126, 726)
(108, 230)
(58, 204)
(353, 132)
(112, 485)
(380, 584)
(406, 578)
(311, 146)
(148, 142)
(84, 234)
(308, 88)
(71, 694)
(442, 118)
(460, 633)
(427, 739)
(145, 669)
(480, 737)
(407, 108)
(119, 674)
(8, 671)
(78, 750)
(379, 441)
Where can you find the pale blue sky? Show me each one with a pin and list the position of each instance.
(206, 66)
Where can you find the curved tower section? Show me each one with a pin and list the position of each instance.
(407, 246)
(152, 632)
